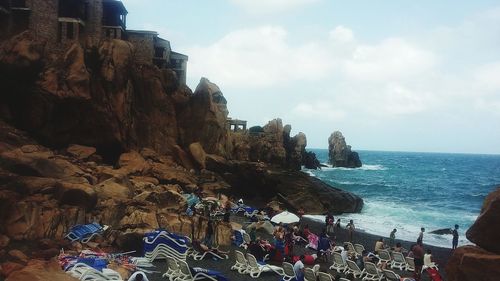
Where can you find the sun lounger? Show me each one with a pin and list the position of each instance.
(84, 232)
(173, 270)
(200, 253)
(384, 257)
(160, 244)
(255, 268)
(390, 275)
(338, 263)
(186, 273)
(322, 276)
(288, 273)
(350, 249)
(344, 279)
(398, 261)
(309, 274)
(241, 264)
(358, 248)
(410, 264)
(353, 268)
(105, 275)
(372, 272)
(133, 276)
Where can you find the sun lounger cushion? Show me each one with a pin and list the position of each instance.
(212, 273)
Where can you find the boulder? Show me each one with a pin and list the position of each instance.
(139, 220)
(132, 163)
(18, 255)
(169, 175)
(41, 271)
(4, 241)
(31, 185)
(76, 194)
(10, 267)
(170, 200)
(183, 158)
(486, 229)
(471, 263)
(115, 188)
(340, 154)
(80, 151)
(198, 154)
(223, 232)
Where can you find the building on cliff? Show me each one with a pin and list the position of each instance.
(63, 22)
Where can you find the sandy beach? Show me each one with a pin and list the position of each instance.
(441, 255)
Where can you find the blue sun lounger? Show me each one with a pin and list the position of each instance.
(84, 232)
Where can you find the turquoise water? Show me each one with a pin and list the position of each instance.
(407, 191)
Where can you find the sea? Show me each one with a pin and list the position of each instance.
(410, 190)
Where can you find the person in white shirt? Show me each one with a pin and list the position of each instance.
(344, 253)
(428, 260)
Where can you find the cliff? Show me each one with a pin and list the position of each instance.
(92, 135)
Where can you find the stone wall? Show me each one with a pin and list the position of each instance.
(144, 46)
(44, 19)
(93, 25)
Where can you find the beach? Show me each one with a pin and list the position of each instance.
(440, 254)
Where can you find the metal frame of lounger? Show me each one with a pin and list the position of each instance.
(173, 270)
(162, 252)
(288, 273)
(78, 269)
(338, 263)
(398, 261)
(353, 268)
(255, 269)
(246, 238)
(391, 275)
(323, 276)
(309, 274)
(410, 264)
(162, 249)
(253, 213)
(186, 275)
(384, 256)
(84, 232)
(359, 249)
(344, 279)
(198, 256)
(241, 264)
(372, 272)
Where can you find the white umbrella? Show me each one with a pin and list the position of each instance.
(285, 217)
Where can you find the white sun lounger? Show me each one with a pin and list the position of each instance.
(186, 275)
(372, 272)
(309, 274)
(255, 269)
(359, 249)
(338, 263)
(391, 276)
(106, 275)
(241, 264)
(410, 264)
(398, 261)
(133, 276)
(322, 276)
(384, 256)
(353, 268)
(173, 270)
(288, 272)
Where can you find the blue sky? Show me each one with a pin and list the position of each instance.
(391, 75)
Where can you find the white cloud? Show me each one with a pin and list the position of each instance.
(341, 34)
(488, 76)
(318, 110)
(259, 7)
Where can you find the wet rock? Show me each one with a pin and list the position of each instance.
(486, 229)
(340, 154)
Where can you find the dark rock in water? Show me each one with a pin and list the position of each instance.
(340, 154)
(296, 189)
(442, 231)
(310, 161)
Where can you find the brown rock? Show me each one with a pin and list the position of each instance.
(31, 185)
(9, 267)
(75, 194)
(124, 272)
(183, 158)
(168, 175)
(139, 220)
(223, 233)
(81, 151)
(46, 254)
(132, 163)
(117, 189)
(41, 271)
(198, 154)
(486, 229)
(19, 255)
(169, 200)
(471, 263)
(4, 241)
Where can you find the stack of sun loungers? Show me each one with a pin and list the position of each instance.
(84, 232)
(161, 244)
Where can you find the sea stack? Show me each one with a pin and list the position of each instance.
(340, 154)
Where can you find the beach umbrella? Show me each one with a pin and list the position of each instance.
(285, 217)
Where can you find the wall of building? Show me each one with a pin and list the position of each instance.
(44, 19)
(144, 46)
(93, 25)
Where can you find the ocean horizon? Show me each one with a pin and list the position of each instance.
(409, 190)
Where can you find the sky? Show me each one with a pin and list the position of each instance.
(398, 75)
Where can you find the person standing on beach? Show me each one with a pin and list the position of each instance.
(455, 237)
(418, 257)
(420, 239)
(392, 237)
(351, 228)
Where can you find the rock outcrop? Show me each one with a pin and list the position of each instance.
(481, 262)
(340, 154)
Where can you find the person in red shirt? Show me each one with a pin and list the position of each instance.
(418, 256)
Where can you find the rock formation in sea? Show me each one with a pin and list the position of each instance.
(482, 260)
(91, 134)
(340, 154)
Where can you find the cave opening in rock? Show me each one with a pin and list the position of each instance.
(110, 152)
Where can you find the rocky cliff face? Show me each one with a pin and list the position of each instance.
(340, 154)
(480, 262)
(90, 135)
